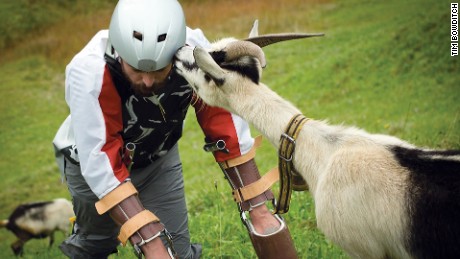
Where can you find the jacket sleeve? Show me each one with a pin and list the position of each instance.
(96, 120)
(195, 37)
(219, 124)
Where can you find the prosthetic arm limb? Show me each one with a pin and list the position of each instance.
(251, 192)
(138, 225)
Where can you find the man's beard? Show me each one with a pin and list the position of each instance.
(142, 90)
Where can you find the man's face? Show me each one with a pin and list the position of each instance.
(145, 83)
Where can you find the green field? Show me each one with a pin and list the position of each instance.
(383, 66)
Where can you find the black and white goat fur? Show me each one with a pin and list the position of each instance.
(376, 196)
(38, 220)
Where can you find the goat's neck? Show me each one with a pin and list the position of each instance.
(266, 110)
(270, 114)
(317, 141)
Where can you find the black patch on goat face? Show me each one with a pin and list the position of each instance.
(218, 56)
(190, 66)
(245, 66)
(207, 78)
(217, 81)
(433, 201)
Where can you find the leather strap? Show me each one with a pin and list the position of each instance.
(135, 223)
(244, 158)
(114, 197)
(254, 189)
(285, 164)
(244, 175)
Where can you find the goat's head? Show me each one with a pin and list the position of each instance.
(231, 66)
(230, 62)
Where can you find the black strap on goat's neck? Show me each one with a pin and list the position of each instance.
(285, 163)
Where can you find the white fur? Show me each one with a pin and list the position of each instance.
(357, 185)
(39, 222)
(57, 213)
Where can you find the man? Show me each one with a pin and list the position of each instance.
(118, 149)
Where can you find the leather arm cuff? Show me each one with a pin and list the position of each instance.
(126, 210)
(136, 223)
(248, 188)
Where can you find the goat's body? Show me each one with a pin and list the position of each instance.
(351, 210)
(38, 220)
(376, 196)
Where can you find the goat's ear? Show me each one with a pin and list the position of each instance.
(206, 63)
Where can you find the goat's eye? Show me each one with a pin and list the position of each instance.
(207, 78)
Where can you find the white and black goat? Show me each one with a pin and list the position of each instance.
(376, 196)
(38, 220)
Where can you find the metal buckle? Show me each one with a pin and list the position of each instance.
(244, 219)
(137, 251)
(169, 239)
(219, 145)
(285, 159)
(290, 139)
(128, 155)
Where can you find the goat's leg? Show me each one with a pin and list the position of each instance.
(51, 239)
(18, 246)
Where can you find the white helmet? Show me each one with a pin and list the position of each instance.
(147, 33)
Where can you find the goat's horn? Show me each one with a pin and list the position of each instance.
(238, 49)
(267, 39)
(208, 64)
(254, 30)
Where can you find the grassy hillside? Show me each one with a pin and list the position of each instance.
(384, 66)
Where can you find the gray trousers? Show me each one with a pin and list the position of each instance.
(161, 190)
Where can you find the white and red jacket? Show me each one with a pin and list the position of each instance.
(105, 115)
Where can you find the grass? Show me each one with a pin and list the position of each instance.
(384, 66)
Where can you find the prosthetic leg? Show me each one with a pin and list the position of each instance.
(138, 225)
(250, 190)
